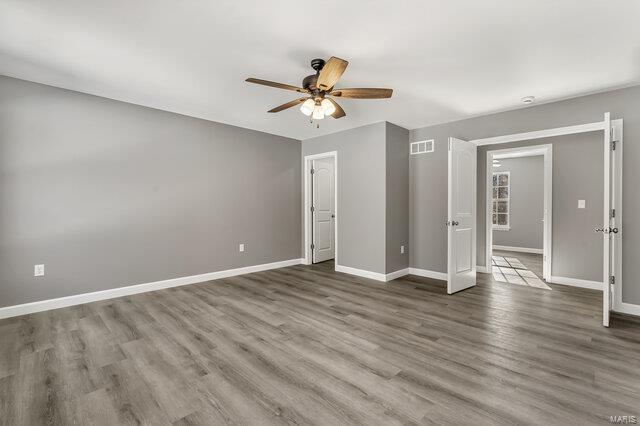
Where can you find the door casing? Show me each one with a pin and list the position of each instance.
(308, 160)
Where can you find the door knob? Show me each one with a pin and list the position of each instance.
(455, 223)
(613, 230)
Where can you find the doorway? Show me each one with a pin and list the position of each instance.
(611, 228)
(523, 227)
(321, 207)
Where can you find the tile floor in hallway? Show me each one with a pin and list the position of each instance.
(511, 270)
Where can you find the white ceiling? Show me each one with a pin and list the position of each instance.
(445, 60)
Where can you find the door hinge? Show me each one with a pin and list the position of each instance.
(613, 145)
(313, 246)
(313, 209)
(614, 135)
(613, 212)
(612, 279)
(313, 171)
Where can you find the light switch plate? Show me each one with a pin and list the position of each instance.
(581, 204)
(401, 249)
(241, 247)
(38, 270)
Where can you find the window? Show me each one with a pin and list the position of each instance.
(501, 194)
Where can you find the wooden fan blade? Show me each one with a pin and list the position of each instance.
(339, 112)
(331, 73)
(288, 105)
(368, 93)
(277, 85)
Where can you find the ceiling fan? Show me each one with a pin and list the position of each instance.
(319, 88)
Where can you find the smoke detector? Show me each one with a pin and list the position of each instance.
(528, 99)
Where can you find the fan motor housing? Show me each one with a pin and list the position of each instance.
(309, 82)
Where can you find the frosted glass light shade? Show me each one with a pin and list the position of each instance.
(318, 112)
(307, 107)
(328, 107)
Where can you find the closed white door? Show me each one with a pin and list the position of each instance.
(461, 223)
(323, 208)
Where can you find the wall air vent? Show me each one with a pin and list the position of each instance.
(421, 147)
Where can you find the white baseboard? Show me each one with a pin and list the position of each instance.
(428, 274)
(397, 274)
(482, 269)
(518, 249)
(373, 275)
(78, 299)
(361, 273)
(627, 308)
(575, 282)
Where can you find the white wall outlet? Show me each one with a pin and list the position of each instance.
(38, 270)
(241, 247)
(581, 204)
(401, 249)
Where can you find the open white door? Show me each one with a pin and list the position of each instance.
(461, 224)
(609, 229)
(323, 208)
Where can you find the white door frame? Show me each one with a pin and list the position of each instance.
(308, 259)
(545, 150)
(617, 128)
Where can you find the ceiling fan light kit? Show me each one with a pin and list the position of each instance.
(319, 88)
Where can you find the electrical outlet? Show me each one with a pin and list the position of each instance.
(38, 270)
(581, 204)
(241, 247)
(401, 249)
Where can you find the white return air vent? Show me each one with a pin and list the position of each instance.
(421, 147)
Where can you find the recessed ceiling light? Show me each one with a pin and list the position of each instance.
(528, 99)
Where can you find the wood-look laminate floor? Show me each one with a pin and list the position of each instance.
(309, 345)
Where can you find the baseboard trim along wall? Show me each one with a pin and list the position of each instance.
(428, 274)
(78, 299)
(372, 275)
(361, 273)
(627, 308)
(482, 269)
(575, 282)
(518, 249)
(397, 274)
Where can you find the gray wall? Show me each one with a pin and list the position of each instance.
(397, 188)
(428, 173)
(109, 194)
(361, 193)
(577, 175)
(526, 203)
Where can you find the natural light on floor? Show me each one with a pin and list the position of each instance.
(511, 270)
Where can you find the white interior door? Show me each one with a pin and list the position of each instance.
(609, 225)
(461, 224)
(323, 208)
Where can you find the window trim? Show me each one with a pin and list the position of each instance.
(495, 226)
